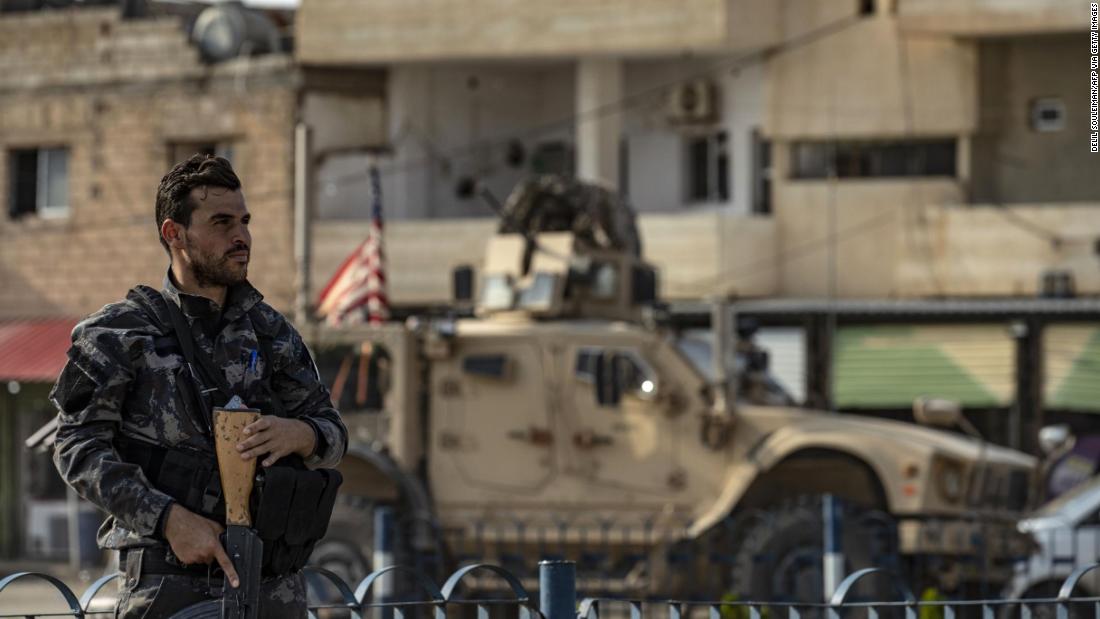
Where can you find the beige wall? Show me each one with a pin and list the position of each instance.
(992, 17)
(1012, 162)
(335, 32)
(888, 239)
(117, 134)
(696, 253)
(867, 81)
(844, 238)
(352, 31)
(1000, 251)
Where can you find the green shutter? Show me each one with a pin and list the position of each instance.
(1071, 362)
(889, 366)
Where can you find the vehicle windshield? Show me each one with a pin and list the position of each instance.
(1076, 503)
(758, 387)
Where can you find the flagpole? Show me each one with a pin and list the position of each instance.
(302, 223)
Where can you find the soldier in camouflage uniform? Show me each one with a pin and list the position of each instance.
(125, 379)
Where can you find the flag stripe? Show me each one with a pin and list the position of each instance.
(360, 282)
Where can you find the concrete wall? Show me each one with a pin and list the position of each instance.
(881, 248)
(846, 238)
(992, 17)
(343, 32)
(697, 254)
(67, 82)
(1012, 162)
(999, 251)
(867, 81)
(450, 121)
(351, 31)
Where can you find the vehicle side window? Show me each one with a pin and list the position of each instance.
(630, 373)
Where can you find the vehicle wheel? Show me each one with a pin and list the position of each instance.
(343, 557)
(780, 559)
(346, 550)
(1048, 591)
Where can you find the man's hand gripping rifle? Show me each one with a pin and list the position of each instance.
(242, 544)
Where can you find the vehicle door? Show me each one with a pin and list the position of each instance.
(490, 421)
(620, 437)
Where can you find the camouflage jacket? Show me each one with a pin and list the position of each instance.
(124, 376)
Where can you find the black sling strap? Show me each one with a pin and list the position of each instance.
(203, 370)
(193, 353)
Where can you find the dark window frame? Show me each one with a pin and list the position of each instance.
(874, 159)
(707, 167)
(31, 189)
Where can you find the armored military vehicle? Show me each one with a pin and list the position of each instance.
(564, 417)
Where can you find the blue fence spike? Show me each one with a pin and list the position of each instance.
(589, 609)
(557, 598)
(65, 591)
(1070, 583)
(93, 590)
(346, 595)
(849, 582)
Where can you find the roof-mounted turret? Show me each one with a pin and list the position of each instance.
(566, 248)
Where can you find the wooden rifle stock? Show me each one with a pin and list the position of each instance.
(242, 544)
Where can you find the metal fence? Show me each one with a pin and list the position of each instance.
(558, 599)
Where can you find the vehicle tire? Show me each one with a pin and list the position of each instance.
(780, 557)
(343, 557)
(346, 550)
(1048, 590)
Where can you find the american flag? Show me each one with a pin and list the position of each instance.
(361, 280)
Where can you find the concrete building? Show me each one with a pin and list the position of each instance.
(795, 148)
(94, 109)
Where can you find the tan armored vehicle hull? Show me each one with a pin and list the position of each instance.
(561, 423)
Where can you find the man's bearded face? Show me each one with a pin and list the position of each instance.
(212, 268)
(218, 243)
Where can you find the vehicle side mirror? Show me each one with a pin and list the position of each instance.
(644, 285)
(606, 383)
(462, 283)
(1052, 438)
(937, 412)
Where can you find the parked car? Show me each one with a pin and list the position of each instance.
(1067, 533)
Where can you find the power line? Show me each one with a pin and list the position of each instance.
(614, 107)
(799, 251)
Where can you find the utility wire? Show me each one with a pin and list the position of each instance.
(626, 103)
(799, 251)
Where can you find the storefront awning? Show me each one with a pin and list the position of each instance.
(34, 350)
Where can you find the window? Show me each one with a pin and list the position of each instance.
(708, 175)
(540, 294)
(632, 375)
(761, 174)
(873, 159)
(39, 182)
(181, 151)
(605, 282)
(497, 292)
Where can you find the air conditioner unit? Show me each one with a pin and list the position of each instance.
(694, 102)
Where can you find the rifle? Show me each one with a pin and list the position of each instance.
(242, 544)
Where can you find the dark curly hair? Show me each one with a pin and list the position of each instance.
(174, 193)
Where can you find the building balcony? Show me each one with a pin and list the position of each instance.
(348, 32)
(993, 17)
(875, 244)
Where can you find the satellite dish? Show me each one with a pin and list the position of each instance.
(228, 30)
